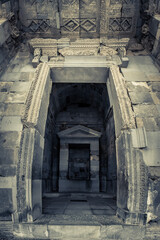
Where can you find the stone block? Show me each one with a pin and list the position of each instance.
(16, 98)
(155, 86)
(40, 231)
(36, 198)
(154, 172)
(10, 77)
(153, 139)
(80, 74)
(7, 170)
(125, 62)
(20, 87)
(38, 156)
(3, 97)
(10, 123)
(151, 157)
(153, 200)
(134, 76)
(146, 110)
(5, 87)
(154, 25)
(44, 58)
(151, 123)
(74, 232)
(9, 139)
(35, 62)
(139, 138)
(122, 180)
(140, 97)
(137, 87)
(6, 206)
(123, 232)
(8, 155)
(5, 30)
(153, 77)
(11, 109)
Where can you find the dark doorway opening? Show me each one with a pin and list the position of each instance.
(85, 104)
(79, 162)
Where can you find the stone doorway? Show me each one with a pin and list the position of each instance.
(79, 162)
(83, 160)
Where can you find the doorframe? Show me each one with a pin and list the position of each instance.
(131, 186)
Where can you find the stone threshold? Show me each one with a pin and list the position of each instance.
(78, 227)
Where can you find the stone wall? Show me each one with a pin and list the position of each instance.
(143, 84)
(14, 86)
(9, 33)
(79, 18)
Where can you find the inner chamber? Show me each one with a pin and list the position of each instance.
(74, 104)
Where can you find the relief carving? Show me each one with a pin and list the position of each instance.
(120, 24)
(107, 51)
(75, 24)
(87, 51)
(39, 25)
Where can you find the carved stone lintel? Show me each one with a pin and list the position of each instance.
(107, 51)
(70, 51)
(48, 46)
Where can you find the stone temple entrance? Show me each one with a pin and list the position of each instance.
(79, 168)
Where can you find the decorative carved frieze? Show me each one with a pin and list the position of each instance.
(120, 24)
(121, 1)
(75, 24)
(48, 46)
(79, 51)
(39, 25)
(107, 51)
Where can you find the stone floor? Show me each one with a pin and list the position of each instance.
(79, 204)
(78, 216)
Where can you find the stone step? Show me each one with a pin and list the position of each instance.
(79, 232)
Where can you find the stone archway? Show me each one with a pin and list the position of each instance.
(132, 182)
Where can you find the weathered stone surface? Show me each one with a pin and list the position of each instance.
(5, 30)
(79, 74)
(44, 58)
(122, 232)
(3, 97)
(74, 231)
(10, 123)
(139, 138)
(146, 110)
(153, 200)
(16, 97)
(5, 87)
(36, 111)
(9, 139)
(9, 109)
(7, 171)
(150, 123)
(141, 97)
(155, 86)
(124, 116)
(20, 87)
(137, 87)
(8, 155)
(6, 207)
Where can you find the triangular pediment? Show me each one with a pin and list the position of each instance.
(79, 131)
